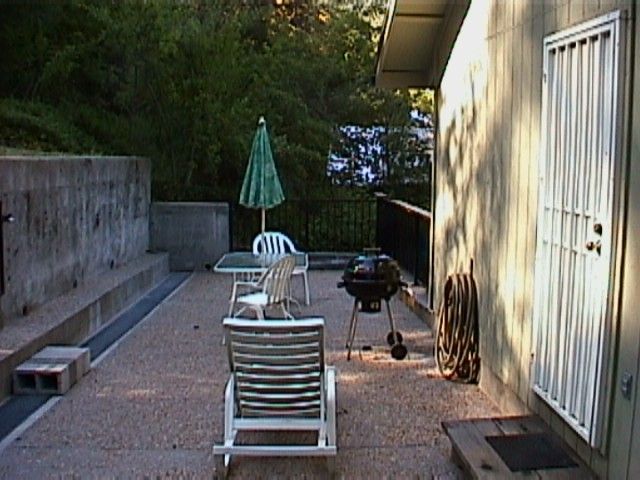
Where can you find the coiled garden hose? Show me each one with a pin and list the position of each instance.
(456, 345)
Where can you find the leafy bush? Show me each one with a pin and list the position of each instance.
(184, 83)
(38, 127)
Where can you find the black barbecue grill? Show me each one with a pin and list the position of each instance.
(371, 278)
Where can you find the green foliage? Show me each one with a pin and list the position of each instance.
(184, 83)
(38, 127)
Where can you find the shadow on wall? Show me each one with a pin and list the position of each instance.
(487, 181)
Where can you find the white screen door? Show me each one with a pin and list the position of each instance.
(576, 187)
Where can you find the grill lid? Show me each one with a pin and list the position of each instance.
(372, 265)
(371, 275)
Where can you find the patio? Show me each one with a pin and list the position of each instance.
(154, 406)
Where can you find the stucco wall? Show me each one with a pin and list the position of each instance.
(486, 183)
(74, 218)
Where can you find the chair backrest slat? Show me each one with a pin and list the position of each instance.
(260, 409)
(278, 379)
(278, 366)
(257, 359)
(275, 281)
(273, 242)
(275, 338)
(277, 350)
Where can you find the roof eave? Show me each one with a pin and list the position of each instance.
(416, 42)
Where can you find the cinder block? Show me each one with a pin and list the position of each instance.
(53, 370)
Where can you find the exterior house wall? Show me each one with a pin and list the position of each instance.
(626, 418)
(488, 135)
(75, 217)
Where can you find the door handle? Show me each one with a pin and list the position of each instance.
(597, 228)
(597, 246)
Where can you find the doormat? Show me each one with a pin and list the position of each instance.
(530, 451)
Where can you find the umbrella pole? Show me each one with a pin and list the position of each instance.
(263, 229)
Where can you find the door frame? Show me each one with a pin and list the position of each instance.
(604, 394)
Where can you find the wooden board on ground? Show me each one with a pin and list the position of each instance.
(479, 460)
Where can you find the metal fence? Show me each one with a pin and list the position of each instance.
(330, 225)
(403, 231)
(400, 229)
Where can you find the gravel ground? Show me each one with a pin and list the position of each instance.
(154, 406)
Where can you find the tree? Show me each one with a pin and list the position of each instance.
(184, 83)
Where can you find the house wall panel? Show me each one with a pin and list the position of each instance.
(625, 438)
(500, 172)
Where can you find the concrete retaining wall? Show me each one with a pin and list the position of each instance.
(75, 217)
(194, 234)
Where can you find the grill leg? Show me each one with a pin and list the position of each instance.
(352, 328)
(391, 322)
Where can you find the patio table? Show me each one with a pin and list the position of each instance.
(249, 265)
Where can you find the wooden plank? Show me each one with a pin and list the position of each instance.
(526, 255)
(508, 208)
(508, 18)
(520, 424)
(498, 213)
(535, 132)
(477, 457)
(479, 460)
(488, 328)
(520, 190)
(485, 428)
(576, 11)
(631, 306)
(550, 19)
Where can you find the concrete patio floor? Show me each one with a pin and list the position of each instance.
(153, 407)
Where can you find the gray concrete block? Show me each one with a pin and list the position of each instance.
(53, 370)
(194, 234)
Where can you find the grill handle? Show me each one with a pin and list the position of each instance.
(341, 284)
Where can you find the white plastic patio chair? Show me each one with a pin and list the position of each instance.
(271, 289)
(276, 242)
(279, 382)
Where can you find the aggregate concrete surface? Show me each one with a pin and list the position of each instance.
(154, 406)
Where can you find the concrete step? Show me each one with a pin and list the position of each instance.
(74, 316)
(53, 370)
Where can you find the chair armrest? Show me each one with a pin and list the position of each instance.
(244, 286)
(330, 386)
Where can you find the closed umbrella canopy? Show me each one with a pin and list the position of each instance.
(261, 186)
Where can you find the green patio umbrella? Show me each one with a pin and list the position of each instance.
(261, 186)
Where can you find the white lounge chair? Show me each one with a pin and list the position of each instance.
(279, 382)
(271, 289)
(276, 242)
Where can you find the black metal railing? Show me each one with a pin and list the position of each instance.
(330, 225)
(403, 231)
